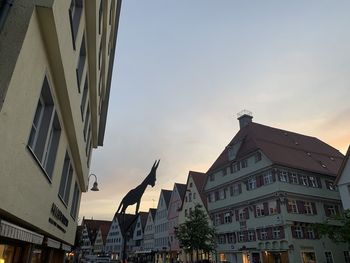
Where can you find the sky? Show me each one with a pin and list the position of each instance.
(184, 69)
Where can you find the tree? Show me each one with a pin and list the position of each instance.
(337, 228)
(196, 233)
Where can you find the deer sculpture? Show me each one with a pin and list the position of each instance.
(134, 195)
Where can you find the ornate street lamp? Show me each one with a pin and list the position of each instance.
(95, 185)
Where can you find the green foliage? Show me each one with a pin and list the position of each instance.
(337, 228)
(196, 233)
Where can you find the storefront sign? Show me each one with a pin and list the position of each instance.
(56, 212)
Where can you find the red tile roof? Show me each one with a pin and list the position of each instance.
(93, 226)
(284, 148)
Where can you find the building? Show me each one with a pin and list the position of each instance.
(194, 195)
(140, 254)
(92, 238)
(55, 78)
(117, 235)
(176, 199)
(148, 236)
(161, 226)
(343, 181)
(264, 192)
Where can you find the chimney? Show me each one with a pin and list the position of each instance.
(245, 117)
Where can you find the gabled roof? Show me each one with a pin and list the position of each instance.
(93, 226)
(342, 167)
(130, 220)
(143, 219)
(284, 148)
(166, 195)
(153, 212)
(104, 230)
(181, 188)
(199, 180)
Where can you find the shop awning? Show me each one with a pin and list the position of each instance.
(13, 231)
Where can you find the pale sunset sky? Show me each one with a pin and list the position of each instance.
(184, 69)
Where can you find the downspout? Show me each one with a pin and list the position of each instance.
(5, 9)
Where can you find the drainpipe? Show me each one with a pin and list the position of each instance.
(5, 9)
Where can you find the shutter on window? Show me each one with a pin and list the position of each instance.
(231, 168)
(299, 179)
(259, 181)
(269, 233)
(254, 207)
(336, 209)
(266, 208)
(273, 175)
(289, 207)
(282, 232)
(294, 234)
(301, 207)
(258, 232)
(304, 232)
(314, 210)
(326, 210)
(246, 213)
(236, 214)
(254, 236)
(278, 206)
(245, 235)
(221, 218)
(240, 188)
(319, 184)
(231, 190)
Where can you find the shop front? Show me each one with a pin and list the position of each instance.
(18, 245)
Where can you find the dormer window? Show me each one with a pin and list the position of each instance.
(233, 150)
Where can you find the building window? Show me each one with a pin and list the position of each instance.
(299, 232)
(231, 238)
(84, 98)
(240, 237)
(227, 218)
(310, 233)
(268, 178)
(313, 181)
(292, 206)
(86, 122)
(45, 132)
(263, 234)
(194, 196)
(330, 186)
(273, 207)
(257, 157)
(276, 233)
(100, 57)
(75, 11)
(329, 257)
(347, 256)
(251, 236)
(236, 167)
(189, 197)
(217, 219)
(284, 176)
(244, 163)
(66, 179)
(259, 210)
(294, 178)
(76, 197)
(81, 63)
(241, 214)
(100, 16)
(251, 183)
(235, 189)
(330, 210)
(308, 208)
(304, 180)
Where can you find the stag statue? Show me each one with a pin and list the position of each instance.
(134, 195)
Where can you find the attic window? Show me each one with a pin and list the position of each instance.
(308, 154)
(323, 165)
(332, 158)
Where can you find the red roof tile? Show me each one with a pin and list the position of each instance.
(285, 148)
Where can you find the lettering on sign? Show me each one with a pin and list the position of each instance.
(57, 213)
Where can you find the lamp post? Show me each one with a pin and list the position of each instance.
(95, 185)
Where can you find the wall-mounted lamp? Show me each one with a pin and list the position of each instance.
(95, 185)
